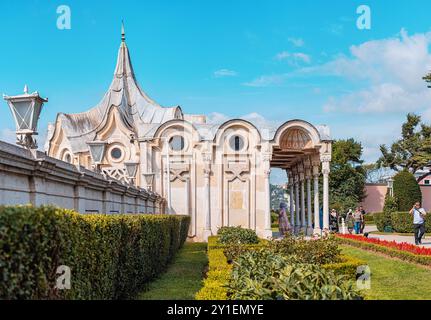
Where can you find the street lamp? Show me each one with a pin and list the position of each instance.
(390, 182)
(131, 169)
(26, 109)
(149, 177)
(97, 151)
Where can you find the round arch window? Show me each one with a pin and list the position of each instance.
(67, 157)
(236, 143)
(177, 143)
(116, 153)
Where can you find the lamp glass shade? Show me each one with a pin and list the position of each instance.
(131, 168)
(97, 150)
(26, 113)
(149, 177)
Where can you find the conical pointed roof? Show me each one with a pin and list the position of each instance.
(137, 110)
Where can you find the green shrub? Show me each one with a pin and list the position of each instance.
(316, 251)
(369, 218)
(219, 270)
(110, 256)
(402, 222)
(263, 275)
(347, 266)
(406, 190)
(237, 235)
(380, 220)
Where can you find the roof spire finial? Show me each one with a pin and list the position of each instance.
(123, 33)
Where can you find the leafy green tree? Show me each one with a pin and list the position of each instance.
(406, 190)
(347, 181)
(413, 151)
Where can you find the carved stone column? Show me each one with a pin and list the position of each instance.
(297, 208)
(316, 174)
(302, 180)
(207, 195)
(325, 159)
(291, 202)
(309, 209)
(267, 233)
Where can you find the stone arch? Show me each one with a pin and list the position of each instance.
(298, 134)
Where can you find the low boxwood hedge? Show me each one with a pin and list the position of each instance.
(109, 256)
(219, 270)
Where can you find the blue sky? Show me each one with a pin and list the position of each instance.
(267, 60)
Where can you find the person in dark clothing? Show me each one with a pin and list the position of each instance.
(363, 220)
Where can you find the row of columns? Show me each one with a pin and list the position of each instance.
(303, 181)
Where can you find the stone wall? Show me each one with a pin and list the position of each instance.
(48, 181)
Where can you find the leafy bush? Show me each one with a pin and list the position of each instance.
(263, 275)
(380, 220)
(110, 256)
(402, 222)
(406, 190)
(214, 286)
(346, 266)
(237, 235)
(316, 251)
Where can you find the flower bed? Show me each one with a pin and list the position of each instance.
(404, 251)
(216, 285)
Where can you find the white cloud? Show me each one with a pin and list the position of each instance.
(294, 57)
(297, 42)
(267, 80)
(225, 73)
(393, 69)
(216, 117)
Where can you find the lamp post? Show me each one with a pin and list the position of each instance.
(391, 186)
(131, 169)
(26, 109)
(97, 151)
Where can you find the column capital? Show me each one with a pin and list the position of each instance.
(326, 169)
(325, 157)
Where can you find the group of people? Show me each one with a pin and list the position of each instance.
(354, 220)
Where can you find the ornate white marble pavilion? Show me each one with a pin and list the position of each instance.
(219, 174)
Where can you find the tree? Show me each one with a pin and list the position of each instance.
(406, 190)
(347, 182)
(413, 151)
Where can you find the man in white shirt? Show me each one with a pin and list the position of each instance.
(418, 214)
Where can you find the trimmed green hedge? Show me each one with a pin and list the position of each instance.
(219, 270)
(348, 266)
(110, 256)
(401, 222)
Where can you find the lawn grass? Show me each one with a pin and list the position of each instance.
(183, 278)
(393, 279)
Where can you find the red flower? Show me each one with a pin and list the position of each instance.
(403, 246)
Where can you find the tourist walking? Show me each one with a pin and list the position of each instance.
(363, 218)
(349, 221)
(333, 221)
(358, 218)
(418, 214)
(283, 221)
